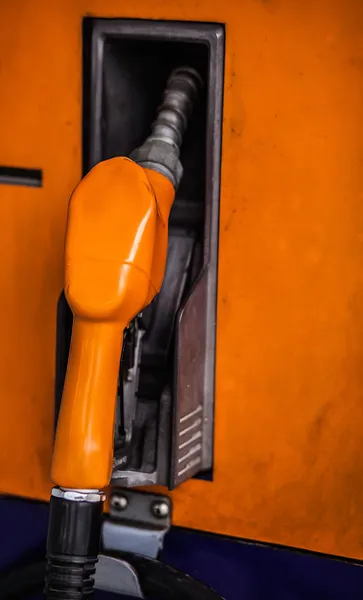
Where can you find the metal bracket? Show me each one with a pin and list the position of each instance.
(117, 576)
(137, 523)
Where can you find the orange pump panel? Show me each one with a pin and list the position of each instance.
(289, 396)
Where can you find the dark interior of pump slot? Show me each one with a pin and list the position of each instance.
(135, 73)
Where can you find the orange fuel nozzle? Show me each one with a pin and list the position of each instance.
(115, 255)
(115, 252)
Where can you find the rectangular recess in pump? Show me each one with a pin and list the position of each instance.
(126, 66)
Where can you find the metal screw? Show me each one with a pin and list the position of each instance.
(160, 509)
(119, 502)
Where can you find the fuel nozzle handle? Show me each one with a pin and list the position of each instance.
(115, 256)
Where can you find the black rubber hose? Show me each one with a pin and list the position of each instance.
(157, 580)
(72, 548)
(161, 581)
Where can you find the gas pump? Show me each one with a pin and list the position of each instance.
(181, 283)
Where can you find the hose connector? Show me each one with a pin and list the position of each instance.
(73, 543)
(161, 150)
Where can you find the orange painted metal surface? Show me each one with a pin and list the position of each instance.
(289, 409)
(117, 231)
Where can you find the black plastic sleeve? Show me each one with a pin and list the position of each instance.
(72, 548)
